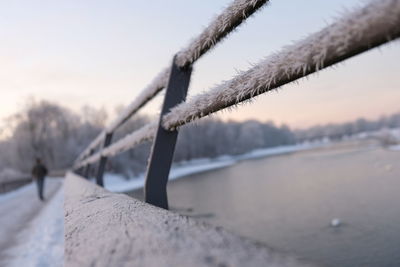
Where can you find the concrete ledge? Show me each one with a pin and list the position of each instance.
(107, 229)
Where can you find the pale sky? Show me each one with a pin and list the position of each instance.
(103, 53)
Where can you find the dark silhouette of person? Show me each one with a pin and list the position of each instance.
(39, 172)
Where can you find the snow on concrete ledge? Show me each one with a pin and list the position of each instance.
(108, 229)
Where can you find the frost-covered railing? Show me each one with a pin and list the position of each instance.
(220, 27)
(356, 32)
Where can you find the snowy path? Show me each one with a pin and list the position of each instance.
(25, 221)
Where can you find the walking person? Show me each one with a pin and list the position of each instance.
(39, 172)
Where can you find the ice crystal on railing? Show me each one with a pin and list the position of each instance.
(354, 33)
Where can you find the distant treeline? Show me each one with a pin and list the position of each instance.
(48, 131)
(340, 130)
(58, 135)
(206, 138)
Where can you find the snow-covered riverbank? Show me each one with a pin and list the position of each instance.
(117, 183)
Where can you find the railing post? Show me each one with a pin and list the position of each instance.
(79, 171)
(87, 168)
(162, 152)
(86, 171)
(103, 160)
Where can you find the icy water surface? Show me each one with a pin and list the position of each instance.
(288, 203)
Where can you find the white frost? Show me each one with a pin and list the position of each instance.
(354, 33)
(145, 133)
(376, 23)
(222, 25)
(233, 16)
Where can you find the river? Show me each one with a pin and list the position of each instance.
(288, 202)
